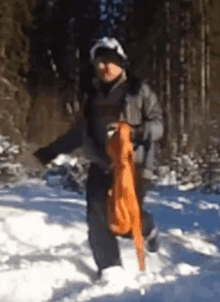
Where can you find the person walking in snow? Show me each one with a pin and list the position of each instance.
(119, 98)
(116, 97)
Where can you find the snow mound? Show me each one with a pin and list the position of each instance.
(35, 282)
(33, 229)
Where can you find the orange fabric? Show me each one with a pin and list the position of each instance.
(124, 211)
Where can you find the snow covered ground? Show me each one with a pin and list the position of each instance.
(45, 255)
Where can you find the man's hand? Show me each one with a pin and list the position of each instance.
(141, 135)
(148, 175)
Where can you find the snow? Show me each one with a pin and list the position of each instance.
(63, 159)
(45, 254)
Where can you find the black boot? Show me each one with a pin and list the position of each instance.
(150, 233)
(152, 241)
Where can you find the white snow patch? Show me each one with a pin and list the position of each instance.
(32, 230)
(183, 200)
(36, 281)
(176, 232)
(186, 187)
(185, 269)
(45, 255)
(65, 159)
(204, 205)
(172, 204)
(11, 197)
(200, 246)
(168, 178)
(194, 242)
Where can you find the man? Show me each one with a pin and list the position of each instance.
(117, 98)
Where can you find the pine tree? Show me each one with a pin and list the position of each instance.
(60, 41)
(14, 56)
(203, 65)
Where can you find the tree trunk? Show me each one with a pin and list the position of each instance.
(207, 55)
(182, 92)
(203, 58)
(168, 78)
(189, 86)
(189, 63)
(155, 67)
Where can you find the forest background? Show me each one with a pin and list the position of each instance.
(45, 73)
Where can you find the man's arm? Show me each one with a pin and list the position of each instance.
(153, 114)
(64, 144)
(152, 126)
(76, 137)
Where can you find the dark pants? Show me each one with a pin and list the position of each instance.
(103, 242)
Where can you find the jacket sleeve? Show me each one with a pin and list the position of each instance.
(151, 127)
(76, 137)
(64, 144)
(152, 114)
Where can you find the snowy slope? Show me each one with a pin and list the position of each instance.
(45, 256)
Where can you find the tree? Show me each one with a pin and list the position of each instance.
(14, 56)
(60, 40)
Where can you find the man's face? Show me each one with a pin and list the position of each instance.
(106, 70)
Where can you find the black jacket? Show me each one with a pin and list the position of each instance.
(131, 100)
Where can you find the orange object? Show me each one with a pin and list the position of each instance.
(124, 212)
